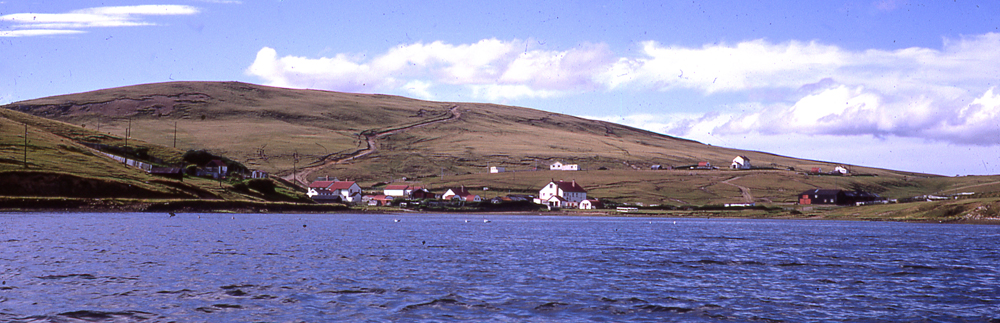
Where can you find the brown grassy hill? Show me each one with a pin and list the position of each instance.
(57, 162)
(380, 138)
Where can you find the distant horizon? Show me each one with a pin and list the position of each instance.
(906, 85)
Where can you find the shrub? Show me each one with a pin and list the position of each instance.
(262, 185)
(241, 187)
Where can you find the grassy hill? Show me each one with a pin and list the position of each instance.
(58, 164)
(375, 139)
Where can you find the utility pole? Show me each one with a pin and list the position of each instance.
(128, 130)
(295, 161)
(175, 134)
(25, 145)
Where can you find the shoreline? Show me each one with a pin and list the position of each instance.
(121, 205)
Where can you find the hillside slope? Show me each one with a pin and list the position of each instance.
(380, 138)
(59, 161)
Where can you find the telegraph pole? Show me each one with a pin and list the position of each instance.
(175, 134)
(295, 161)
(25, 145)
(128, 131)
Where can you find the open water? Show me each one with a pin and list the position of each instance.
(77, 267)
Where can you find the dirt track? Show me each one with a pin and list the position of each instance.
(302, 176)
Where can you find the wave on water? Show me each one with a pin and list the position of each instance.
(89, 316)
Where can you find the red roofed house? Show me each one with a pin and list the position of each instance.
(335, 191)
(217, 168)
(379, 200)
(460, 194)
(422, 193)
(561, 194)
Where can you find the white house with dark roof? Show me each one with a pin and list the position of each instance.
(335, 191)
(561, 194)
(740, 162)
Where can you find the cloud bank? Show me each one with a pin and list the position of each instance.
(947, 94)
(74, 22)
(489, 69)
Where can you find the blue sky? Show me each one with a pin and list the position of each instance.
(907, 85)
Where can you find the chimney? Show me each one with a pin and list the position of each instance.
(574, 182)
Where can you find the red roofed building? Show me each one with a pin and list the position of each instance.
(562, 194)
(217, 168)
(460, 194)
(335, 191)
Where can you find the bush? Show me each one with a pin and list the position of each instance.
(262, 185)
(202, 157)
(241, 187)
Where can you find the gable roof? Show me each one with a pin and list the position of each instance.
(570, 186)
(341, 185)
(397, 187)
(320, 184)
(458, 191)
(166, 170)
(215, 163)
(821, 191)
(331, 185)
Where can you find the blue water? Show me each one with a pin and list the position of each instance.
(79, 267)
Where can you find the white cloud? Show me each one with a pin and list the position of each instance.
(946, 95)
(37, 32)
(502, 92)
(807, 88)
(491, 69)
(419, 89)
(38, 24)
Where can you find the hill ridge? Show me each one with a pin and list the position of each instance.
(376, 138)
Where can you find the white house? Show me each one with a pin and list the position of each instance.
(561, 194)
(401, 190)
(335, 191)
(842, 170)
(495, 169)
(561, 166)
(740, 162)
(460, 194)
(590, 204)
(258, 174)
(217, 168)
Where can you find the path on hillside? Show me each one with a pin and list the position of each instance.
(302, 175)
(745, 191)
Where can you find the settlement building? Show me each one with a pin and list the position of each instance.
(590, 204)
(400, 190)
(460, 194)
(836, 197)
(217, 168)
(335, 191)
(561, 166)
(561, 194)
(740, 162)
